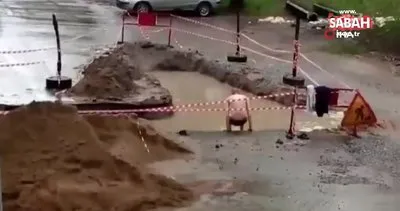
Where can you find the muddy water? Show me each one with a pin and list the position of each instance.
(192, 87)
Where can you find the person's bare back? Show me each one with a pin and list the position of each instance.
(238, 111)
(237, 106)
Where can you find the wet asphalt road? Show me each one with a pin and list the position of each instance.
(326, 173)
(27, 24)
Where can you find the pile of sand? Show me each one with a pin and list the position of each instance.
(121, 136)
(54, 159)
(109, 75)
(118, 76)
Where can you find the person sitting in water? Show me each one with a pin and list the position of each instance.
(238, 111)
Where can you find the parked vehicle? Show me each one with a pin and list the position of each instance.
(201, 7)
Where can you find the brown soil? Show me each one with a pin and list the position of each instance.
(110, 75)
(54, 159)
(118, 77)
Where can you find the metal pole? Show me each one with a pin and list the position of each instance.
(170, 31)
(55, 24)
(237, 32)
(291, 132)
(122, 30)
(296, 47)
(1, 190)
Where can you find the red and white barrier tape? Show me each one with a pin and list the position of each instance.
(289, 52)
(21, 64)
(168, 109)
(301, 55)
(51, 48)
(45, 49)
(204, 24)
(249, 50)
(156, 30)
(141, 137)
(232, 43)
(176, 42)
(144, 34)
(185, 107)
(261, 45)
(26, 50)
(225, 101)
(232, 32)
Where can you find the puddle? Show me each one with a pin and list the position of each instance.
(217, 187)
(193, 87)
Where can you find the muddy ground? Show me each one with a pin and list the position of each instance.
(240, 171)
(108, 77)
(327, 172)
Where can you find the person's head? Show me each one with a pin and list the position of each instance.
(235, 91)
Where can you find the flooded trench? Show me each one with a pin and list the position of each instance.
(193, 87)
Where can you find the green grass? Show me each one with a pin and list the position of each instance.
(260, 7)
(379, 39)
(344, 47)
(368, 7)
(265, 7)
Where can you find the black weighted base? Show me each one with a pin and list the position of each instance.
(52, 83)
(293, 81)
(120, 42)
(290, 136)
(237, 58)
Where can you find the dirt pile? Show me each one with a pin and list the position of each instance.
(109, 75)
(121, 136)
(54, 159)
(117, 76)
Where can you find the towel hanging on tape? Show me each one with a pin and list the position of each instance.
(322, 98)
(310, 103)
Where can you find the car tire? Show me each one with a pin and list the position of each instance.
(297, 81)
(142, 7)
(52, 83)
(204, 9)
(237, 58)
